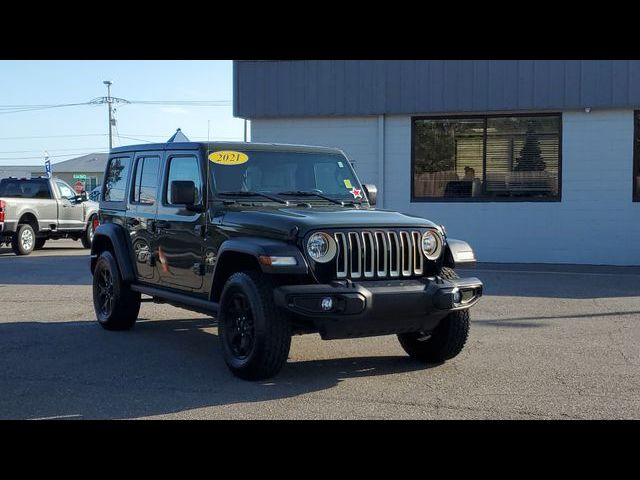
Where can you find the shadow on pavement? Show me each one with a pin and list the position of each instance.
(79, 370)
(45, 270)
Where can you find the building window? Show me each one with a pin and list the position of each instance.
(636, 156)
(486, 158)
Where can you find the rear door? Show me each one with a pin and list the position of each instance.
(179, 232)
(70, 212)
(141, 210)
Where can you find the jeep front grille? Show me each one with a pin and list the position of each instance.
(380, 254)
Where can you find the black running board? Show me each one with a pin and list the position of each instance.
(178, 299)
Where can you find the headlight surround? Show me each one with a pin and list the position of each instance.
(321, 247)
(431, 244)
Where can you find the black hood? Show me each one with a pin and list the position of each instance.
(281, 221)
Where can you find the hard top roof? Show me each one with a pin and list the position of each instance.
(241, 146)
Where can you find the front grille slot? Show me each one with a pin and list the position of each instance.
(378, 254)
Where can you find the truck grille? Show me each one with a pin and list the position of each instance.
(379, 254)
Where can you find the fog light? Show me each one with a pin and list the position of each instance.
(326, 304)
(456, 296)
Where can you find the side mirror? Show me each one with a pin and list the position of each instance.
(83, 196)
(372, 192)
(183, 192)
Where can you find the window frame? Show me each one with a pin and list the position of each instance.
(636, 155)
(167, 169)
(117, 204)
(485, 117)
(141, 159)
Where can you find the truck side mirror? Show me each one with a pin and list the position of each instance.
(371, 191)
(183, 192)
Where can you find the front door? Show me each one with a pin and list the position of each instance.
(179, 232)
(70, 212)
(142, 206)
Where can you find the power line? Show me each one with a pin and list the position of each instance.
(50, 156)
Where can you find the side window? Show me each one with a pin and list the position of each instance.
(116, 179)
(65, 190)
(145, 186)
(184, 168)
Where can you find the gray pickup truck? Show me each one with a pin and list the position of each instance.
(35, 210)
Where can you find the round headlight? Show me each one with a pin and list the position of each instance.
(321, 247)
(431, 244)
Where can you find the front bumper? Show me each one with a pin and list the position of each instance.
(378, 307)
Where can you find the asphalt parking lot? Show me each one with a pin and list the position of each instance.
(546, 342)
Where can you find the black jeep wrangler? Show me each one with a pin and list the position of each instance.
(273, 240)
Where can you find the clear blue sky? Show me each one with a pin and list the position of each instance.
(75, 81)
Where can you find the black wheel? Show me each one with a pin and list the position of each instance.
(443, 343)
(115, 304)
(87, 237)
(40, 243)
(24, 240)
(255, 338)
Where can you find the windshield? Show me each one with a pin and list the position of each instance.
(20, 188)
(285, 172)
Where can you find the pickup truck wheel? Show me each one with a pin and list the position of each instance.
(255, 338)
(87, 236)
(24, 240)
(40, 243)
(115, 304)
(443, 343)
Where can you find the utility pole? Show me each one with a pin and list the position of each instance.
(109, 100)
(108, 83)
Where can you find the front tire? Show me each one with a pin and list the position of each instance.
(40, 243)
(24, 240)
(443, 343)
(255, 337)
(115, 304)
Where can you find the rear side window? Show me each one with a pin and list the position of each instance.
(18, 188)
(145, 186)
(184, 168)
(115, 181)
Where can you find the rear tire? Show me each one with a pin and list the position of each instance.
(255, 337)
(24, 240)
(87, 236)
(115, 304)
(443, 343)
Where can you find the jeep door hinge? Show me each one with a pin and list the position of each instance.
(199, 269)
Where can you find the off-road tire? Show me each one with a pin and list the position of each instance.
(40, 243)
(18, 243)
(272, 332)
(125, 304)
(87, 236)
(446, 341)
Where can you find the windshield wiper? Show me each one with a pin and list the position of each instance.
(304, 193)
(254, 194)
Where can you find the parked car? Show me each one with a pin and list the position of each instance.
(95, 194)
(273, 240)
(35, 210)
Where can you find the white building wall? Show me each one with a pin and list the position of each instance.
(595, 223)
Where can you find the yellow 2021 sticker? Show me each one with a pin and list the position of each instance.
(347, 183)
(228, 157)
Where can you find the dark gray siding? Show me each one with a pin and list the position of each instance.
(310, 88)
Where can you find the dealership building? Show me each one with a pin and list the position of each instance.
(529, 161)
